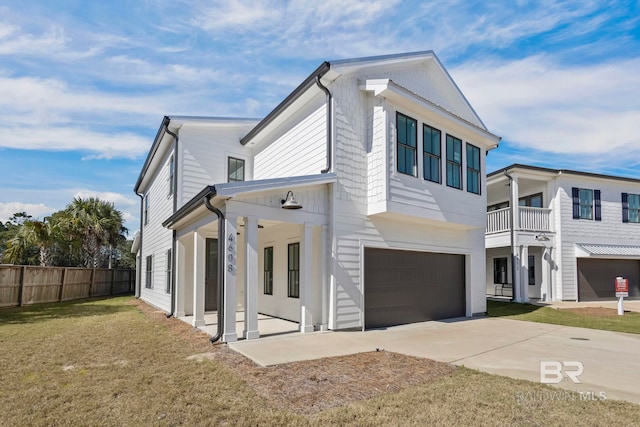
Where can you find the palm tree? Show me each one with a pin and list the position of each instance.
(97, 223)
(40, 234)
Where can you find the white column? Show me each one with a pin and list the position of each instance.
(515, 250)
(514, 204)
(230, 257)
(178, 286)
(324, 257)
(251, 279)
(547, 274)
(199, 268)
(524, 273)
(306, 275)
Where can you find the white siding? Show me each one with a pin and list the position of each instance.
(156, 240)
(298, 148)
(203, 156)
(610, 230)
(355, 157)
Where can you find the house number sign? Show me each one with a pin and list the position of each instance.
(231, 249)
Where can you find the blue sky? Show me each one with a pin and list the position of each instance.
(84, 84)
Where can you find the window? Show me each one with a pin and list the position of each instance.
(532, 201)
(407, 143)
(268, 271)
(586, 204)
(169, 275)
(454, 162)
(146, 209)
(630, 207)
(293, 281)
(148, 283)
(473, 169)
(500, 270)
(431, 153)
(532, 270)
(235, 169)
(172, 170)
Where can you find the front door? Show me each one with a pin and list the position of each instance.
(211, 276)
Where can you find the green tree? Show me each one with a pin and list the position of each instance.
(99, 225)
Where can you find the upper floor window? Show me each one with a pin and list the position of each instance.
(172, 172)
(268, 270)
(586, 204)
(235, 169)
(407, 134)
(293, 279)
(498, 206)
(454, 162)
(431, 153)
(473, 169)
(630, 207)
(146, 209)
(532, 201)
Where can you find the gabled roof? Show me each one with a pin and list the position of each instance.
(560, 172)
(179, 120)
(331, 70)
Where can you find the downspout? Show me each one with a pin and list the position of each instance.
(175, 208)
(221, 263)
(329, 122)
(512, 237)
(139, 270)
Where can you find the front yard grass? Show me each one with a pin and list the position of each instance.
(630, 322)
(107, 362)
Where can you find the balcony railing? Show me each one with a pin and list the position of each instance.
(530, 219)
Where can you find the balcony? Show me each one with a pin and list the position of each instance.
(530, 219)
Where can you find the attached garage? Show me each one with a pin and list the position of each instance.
(596, 278)
(407, 287)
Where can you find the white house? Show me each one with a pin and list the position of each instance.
(358, 202)
(573, 233)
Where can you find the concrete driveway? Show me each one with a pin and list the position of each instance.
(506, 347)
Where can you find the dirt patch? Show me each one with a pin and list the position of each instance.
(594, 311)
(311, 386)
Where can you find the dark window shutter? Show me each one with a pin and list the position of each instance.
(575, 193)
(597, 208)
(625, 207)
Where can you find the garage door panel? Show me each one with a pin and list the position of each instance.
(596, 278)
(407, 287)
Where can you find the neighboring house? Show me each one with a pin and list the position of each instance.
(358, 202)
(573, 234)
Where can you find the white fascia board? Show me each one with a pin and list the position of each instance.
(388, 89)
(234, 189)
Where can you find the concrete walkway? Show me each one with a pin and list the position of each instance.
(499, 346)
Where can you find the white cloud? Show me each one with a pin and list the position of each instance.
(117, 199)
(539, 103)
(36, 210)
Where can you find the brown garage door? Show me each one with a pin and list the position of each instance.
(407, 287)
(596, 278)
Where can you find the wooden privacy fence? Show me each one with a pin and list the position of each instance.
(24, 285)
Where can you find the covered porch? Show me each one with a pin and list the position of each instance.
(270, 262)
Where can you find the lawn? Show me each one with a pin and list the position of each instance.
(582, 318)
(116, 362)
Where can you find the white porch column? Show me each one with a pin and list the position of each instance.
(230, 257)
(547, 274)
(515, 250)
(178, 286)
(324, 325)
(199, 268)
(514, 204)
(306, 277)
(251, 279)
(517, 275)
(524, 273)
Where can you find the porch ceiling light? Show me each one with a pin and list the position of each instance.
(542, 238)
(289, 202)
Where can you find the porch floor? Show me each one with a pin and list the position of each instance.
(267, 325)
